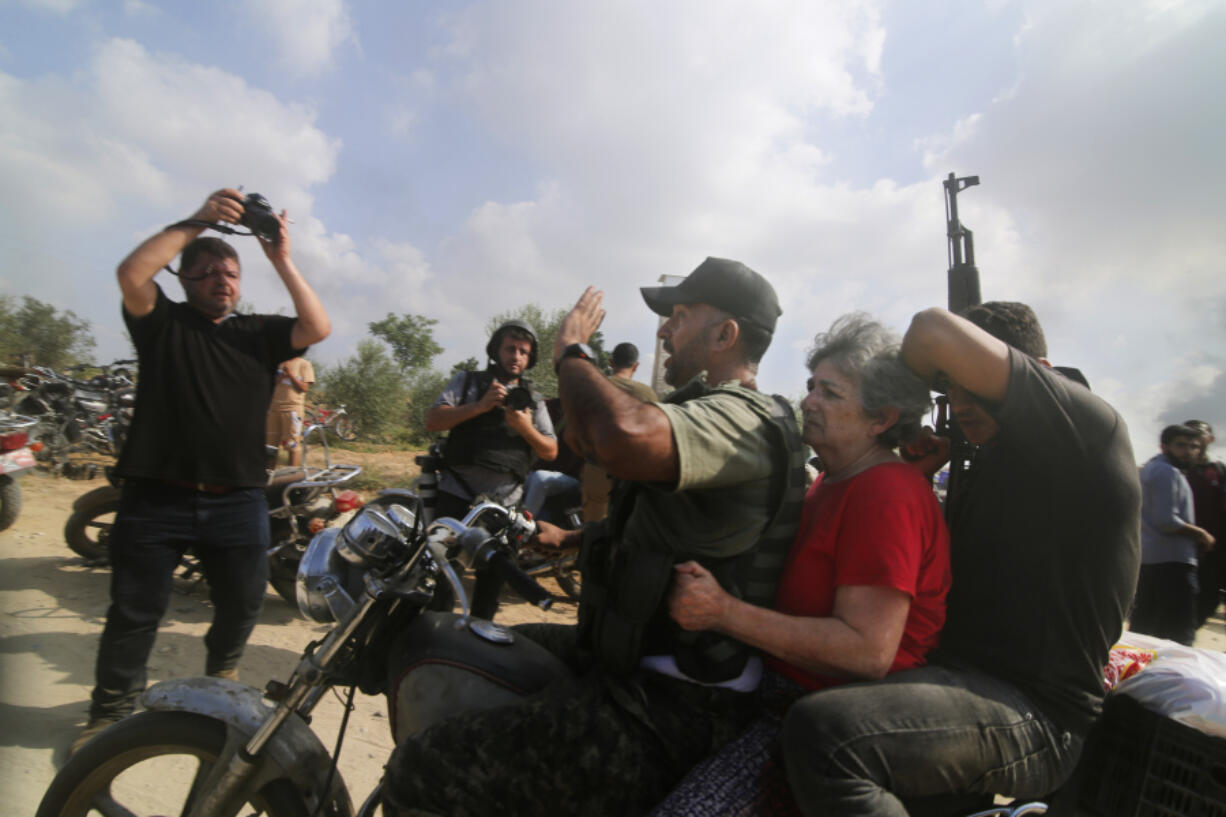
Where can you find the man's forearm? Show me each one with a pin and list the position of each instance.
(544, 446)
(136, 272)
(313, 324)
(629, 438)
(445, 417)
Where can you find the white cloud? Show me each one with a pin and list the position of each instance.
(139, 138)
(306, 33)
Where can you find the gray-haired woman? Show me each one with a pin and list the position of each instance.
(863, 591)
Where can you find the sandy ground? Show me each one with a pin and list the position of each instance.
(52, 608)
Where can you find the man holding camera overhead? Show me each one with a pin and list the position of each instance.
(498, 427)
(193, 467)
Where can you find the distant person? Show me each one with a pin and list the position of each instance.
(1207, 477)
(193, 467)
(1170, 540)
(284, 429)
(490, 445)
(597, 483)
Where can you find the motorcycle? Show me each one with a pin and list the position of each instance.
(563, 510)
(79, 417)
(335, 420)
(16, 456)
(374, 579)
(301, 502)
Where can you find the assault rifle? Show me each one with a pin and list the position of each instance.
(963, 283)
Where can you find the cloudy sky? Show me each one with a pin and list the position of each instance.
(455, 159)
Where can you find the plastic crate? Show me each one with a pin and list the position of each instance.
(1141, 764)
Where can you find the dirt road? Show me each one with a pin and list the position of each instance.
(52, 608)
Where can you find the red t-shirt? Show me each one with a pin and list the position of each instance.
(881, 528)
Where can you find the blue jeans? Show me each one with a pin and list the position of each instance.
(923, 736)
(541, 485)
(155, 524)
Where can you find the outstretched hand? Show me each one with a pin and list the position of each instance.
(696, 600)
(580, 323)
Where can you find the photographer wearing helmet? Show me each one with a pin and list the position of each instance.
(193, 466)
(498, 426)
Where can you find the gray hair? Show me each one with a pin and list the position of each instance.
(863, 348)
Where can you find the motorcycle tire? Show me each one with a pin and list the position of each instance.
(88, 530)
(346, 429)
(283, 577)
(10, 501)
(195, 742)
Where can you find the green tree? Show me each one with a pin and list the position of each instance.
(371, 386)
(36, 333)
(422, 392)
(470, 364)
(411, 338)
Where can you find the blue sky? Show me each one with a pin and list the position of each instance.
(455, 159)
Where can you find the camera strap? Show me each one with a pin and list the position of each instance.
(197, 222)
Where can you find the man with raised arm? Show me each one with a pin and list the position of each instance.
(714, 473)
(193, 467)
(1045, 551)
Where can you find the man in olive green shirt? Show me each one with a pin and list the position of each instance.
(713, 474)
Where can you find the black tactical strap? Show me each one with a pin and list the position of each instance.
(712, 657)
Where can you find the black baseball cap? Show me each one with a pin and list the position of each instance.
(724, 284)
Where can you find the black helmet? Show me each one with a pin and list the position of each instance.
(491, 348)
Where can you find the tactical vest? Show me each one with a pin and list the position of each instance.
(486, 440)
(622, 611)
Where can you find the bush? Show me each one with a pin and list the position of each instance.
(371, 386)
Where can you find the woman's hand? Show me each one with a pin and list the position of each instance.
(696, 600)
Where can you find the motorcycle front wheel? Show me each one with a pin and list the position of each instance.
(152, 763)
(88, 530)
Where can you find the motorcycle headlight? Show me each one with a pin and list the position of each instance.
(327, 585)
(370, 539)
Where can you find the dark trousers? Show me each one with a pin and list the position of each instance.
(1165, 606)
(920, 741)
(592, 744)
(154, 526)
(1211, 575)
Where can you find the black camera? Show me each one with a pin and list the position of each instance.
(259, 218)
(519, 398)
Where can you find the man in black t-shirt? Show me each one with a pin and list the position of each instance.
(193, 466)
(1045, 551)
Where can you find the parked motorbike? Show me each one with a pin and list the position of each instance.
(375, 578)
(335, 420)
(562, 510)
(301, 502)
(15, 456)
(78, 416)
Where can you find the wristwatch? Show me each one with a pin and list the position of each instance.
(580, 350)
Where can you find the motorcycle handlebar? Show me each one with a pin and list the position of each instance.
(523, 584)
